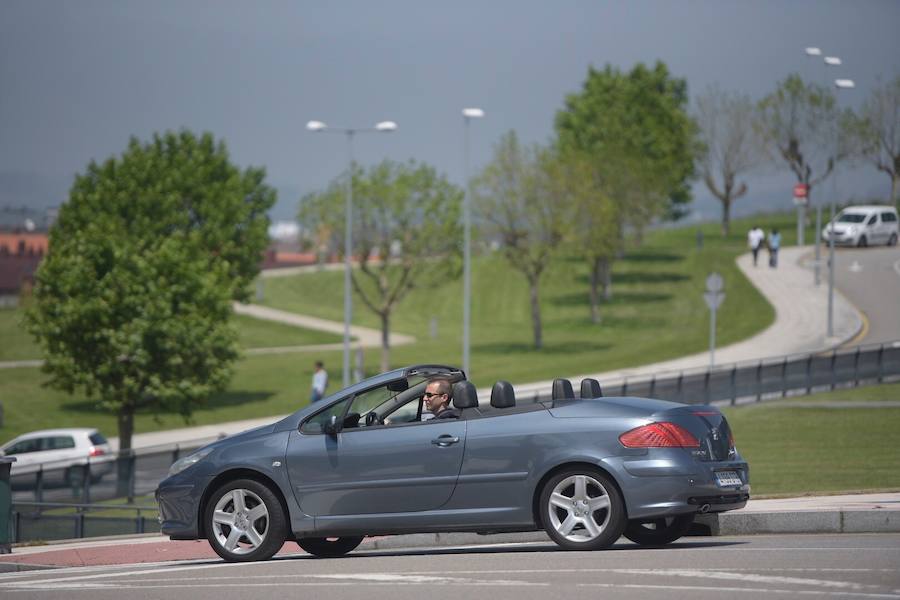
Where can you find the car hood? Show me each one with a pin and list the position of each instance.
(244, 435)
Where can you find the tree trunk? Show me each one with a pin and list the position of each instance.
(536, 313)
(726, 216)
(607, 279)
(895, 179)
(595, 284)
(386, 341)
(124, 463)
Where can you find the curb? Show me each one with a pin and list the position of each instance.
(834, 521)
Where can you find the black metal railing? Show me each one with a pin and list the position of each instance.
(48, 521)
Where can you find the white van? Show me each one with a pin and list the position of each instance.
(864, 226)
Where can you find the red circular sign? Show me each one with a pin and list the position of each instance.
(800, 190)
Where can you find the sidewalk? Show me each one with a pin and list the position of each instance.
(863, 513)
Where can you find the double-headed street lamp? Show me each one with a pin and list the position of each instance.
(468, 114)
(319, 126)
(840, 84)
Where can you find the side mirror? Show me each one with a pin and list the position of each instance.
(333, 426)
(398, 385)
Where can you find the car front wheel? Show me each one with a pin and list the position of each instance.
(863, 242)
(659, 532)
(245, 522)
(330, 547)
(581, 509)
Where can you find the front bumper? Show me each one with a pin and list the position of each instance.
(178, 509)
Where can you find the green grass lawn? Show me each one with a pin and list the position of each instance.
(17, 344)
(795, 449)
(657, 311)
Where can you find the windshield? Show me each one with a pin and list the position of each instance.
(851, 218)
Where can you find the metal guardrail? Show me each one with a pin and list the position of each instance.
(37, 524)
(781, 376)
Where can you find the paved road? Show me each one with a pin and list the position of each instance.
(870, 279)
(784, 566)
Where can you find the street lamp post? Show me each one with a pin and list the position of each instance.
(815, 53)
(840, 84)
(320, 127)
(468, 115)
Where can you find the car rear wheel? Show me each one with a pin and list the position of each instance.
(581, 509)
(245, 522)
(659, 532)
(330, 547)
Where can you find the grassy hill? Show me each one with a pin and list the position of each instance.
(657, 313)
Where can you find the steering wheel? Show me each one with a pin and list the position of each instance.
(372, 419)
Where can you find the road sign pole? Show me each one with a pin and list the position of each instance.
(712, 338)
(713, 298)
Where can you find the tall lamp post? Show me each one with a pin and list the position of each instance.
(468, 114)
(320, 127)
(815, 53)
(840, 84)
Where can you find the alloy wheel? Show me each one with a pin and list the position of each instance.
(579, 508)
(240, 521)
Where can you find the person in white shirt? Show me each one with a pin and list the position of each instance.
(319, 382)
(755, 239)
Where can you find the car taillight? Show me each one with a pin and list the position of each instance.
(659, 435)
(95, 451)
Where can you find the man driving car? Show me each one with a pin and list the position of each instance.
(437, 399)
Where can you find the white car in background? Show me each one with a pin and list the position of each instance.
(57, 451)
(864, 226)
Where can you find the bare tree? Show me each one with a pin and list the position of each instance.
(730, 145)
(799, 124)
(877, 132)
(518, 204)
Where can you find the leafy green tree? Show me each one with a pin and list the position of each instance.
(132, 302)
(406, 233)
(877, 132)
(520, 203)
(729, 145)
(799, 124)
(639, 121)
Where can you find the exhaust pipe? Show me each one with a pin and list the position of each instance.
(704, 509)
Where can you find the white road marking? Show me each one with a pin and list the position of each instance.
(717, 590)
(855, 267)
(748, 577)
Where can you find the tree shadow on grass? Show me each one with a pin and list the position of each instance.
(653, 257)
(528, 348)
(619, 298)
(220, 400)
(638, 277)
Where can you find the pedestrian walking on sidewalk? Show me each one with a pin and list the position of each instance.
(755, 238)
(774, 243)
(319, 382)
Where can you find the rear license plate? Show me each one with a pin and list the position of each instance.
(724, 478)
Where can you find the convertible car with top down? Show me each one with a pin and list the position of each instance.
(367, 460)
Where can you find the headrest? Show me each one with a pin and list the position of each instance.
(502, 395)
(464, 395)
(562, 389)
(590, 388)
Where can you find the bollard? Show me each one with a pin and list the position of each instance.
(5, 504)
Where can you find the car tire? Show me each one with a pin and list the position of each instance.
(582, 509)
(862, 242)
(330, 547)
(659, 532)
(244, 521)
(893, 240)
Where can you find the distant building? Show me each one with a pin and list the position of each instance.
(20, 254)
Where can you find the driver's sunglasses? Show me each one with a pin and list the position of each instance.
(431, 395)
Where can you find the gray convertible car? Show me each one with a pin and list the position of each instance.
(368, 461)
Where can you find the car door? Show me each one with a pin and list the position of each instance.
(873, 229)
(374, 469)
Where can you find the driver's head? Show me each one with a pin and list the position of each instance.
(437, 395)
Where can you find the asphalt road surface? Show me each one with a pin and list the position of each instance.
(783, 566)
(870, 279)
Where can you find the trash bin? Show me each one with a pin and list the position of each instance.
(5, 504)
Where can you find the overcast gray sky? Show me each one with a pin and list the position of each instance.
(78, 78)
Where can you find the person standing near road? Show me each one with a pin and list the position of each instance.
(774, 243)
(319, 382)
(755, 239)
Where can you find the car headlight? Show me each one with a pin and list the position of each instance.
(183, 463)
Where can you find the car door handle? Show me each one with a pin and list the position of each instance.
(445, 440)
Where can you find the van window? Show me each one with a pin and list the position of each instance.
(851, 218)
(872, 219)
(888, 217)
